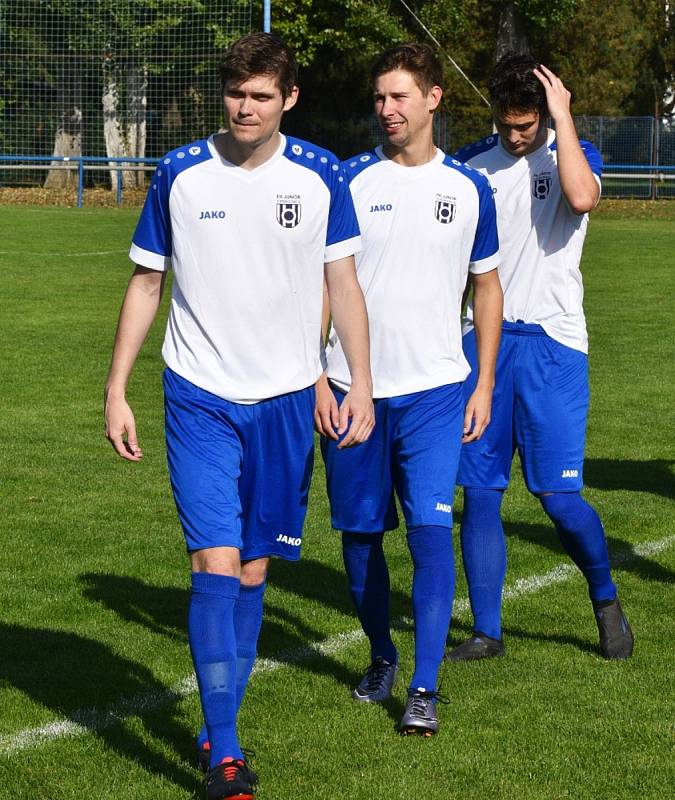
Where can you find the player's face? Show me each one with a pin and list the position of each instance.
(521, 132)
(404, 111)
(254, 108)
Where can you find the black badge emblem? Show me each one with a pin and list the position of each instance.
(445, 209)
(288, 213)
(541, 186)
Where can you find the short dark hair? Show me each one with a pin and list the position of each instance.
(513, 86)
(417, 59)
(260, 54)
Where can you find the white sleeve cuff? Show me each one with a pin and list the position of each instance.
(348, 247)
(146, 258)
(485, 264)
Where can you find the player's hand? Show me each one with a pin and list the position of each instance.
(477, 415)
(557, 96)
(356, 414)
(120, 428)
(326, 414)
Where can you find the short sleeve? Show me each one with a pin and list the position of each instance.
(593, 157)
(151, 244)
(343, 237)
(485, 250)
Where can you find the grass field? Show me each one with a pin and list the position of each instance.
(96, 695)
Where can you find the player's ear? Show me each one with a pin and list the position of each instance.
(434, 97)
(291, 99)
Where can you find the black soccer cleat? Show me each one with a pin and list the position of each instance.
(477, 646)
(420, 717)
(616, 637)
(232, 779)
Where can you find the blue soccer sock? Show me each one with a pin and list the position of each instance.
(484, 556)
(368, 578)
(248, 614)
(213, 646)
(583, 537)
(433, 590)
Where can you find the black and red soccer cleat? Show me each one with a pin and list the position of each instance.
(232, 779)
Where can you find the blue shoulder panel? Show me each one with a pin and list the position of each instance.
(153, 231)
(592, 155)
(354, 166)
(471, 150)
(342, 224)
(486, 240)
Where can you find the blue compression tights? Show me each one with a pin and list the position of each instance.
(583, 537)
(433, 590)
(368, 578)
(484, 556)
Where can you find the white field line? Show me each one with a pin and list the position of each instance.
(92, 720)
(63, 255)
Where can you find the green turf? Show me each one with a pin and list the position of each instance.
(93, 582)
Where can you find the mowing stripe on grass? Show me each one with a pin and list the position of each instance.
(91, 720)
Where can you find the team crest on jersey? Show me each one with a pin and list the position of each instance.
(541, 185)
(289, 210)
(445, 208)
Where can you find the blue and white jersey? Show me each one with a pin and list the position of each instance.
(540, 237)
(247, 248)
(423, 229)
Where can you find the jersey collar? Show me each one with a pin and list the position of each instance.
(411, 172)
(247, 174)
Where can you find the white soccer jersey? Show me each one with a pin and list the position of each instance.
(540, 237)
(247, 248)
(423, 228)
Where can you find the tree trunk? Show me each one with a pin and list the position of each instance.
(137, 103)
(115, 145)
(68, 137)
(511, 36)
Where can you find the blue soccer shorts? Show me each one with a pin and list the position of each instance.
(413, 450)
(240, 474)
(539, 407)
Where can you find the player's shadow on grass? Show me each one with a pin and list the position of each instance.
(654, 476)
(460, 630)
(85, 682)
(286, 636)
(622, 554)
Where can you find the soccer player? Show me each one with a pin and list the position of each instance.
(251, 222)
(545, 183)
(426, 221)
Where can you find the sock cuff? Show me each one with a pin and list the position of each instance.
(251, 594)
(219, 585)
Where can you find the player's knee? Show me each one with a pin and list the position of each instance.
(254, 573)
(564, 508)
(482, 507)
(431, 545)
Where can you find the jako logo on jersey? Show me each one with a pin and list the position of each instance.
(289, 210)
(445, 507)
(381, 207)
(292, 540)
(212, 215)
(541, 185)
(570, 473)
(444, 209)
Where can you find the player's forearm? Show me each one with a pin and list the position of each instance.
(488, 305)
(139, 308)
(577, 181)
(349, 316)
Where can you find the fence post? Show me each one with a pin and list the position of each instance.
(119, 188)
(80, 182)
